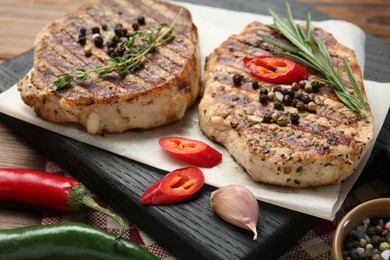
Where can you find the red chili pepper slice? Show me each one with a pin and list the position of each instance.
(176, 186)
(49, 190)
(191, 151)
(276, 69)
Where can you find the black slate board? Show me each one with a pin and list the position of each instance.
(188, 230)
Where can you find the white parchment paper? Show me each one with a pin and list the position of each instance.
(214, 26)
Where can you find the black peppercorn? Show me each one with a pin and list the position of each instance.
(110, 51)
(316, 85)
(290, 93)
(83, 31)
(98, 40)
(82, 40)
(294, 117)
(104, 27)
(135, 26)
(118, 30)
(306, 99)
(237, 78)
(263, 99)
(255, 85)
(141, 20)
(111, 44)
(264, 91)
(267, 118)
(95, 30)
(371, 230)
(294, 102)
(287, 100)
(278, 105)
(301, 106)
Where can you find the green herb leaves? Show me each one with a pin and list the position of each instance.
(138, 44)
(312, 51)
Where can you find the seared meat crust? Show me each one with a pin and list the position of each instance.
(157, 94)
(324, 147)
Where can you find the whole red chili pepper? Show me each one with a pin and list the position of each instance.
(50, 190)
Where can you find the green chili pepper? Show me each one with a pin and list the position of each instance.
(66, 241)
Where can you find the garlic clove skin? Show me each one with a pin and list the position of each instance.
(236, 205)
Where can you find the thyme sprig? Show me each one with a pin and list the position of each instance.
(138, 44)
(312, 51)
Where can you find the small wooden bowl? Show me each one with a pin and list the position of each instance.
(354, 218)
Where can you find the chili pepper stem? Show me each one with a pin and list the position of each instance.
(79, 196)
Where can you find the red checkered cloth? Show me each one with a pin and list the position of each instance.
(316, 244)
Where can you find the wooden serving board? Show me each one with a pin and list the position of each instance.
(189, 230)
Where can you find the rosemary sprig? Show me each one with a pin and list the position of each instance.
(312, 52)
(137, 45)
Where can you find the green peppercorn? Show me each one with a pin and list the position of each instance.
(282, 120)
(237, 78)
(275, 116)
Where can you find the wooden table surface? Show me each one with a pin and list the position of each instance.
(20, 20)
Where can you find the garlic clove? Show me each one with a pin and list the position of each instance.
(236, 205)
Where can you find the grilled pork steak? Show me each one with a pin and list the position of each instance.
(158, 93)
(322, 145)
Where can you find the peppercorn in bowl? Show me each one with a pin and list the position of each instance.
(364, 232)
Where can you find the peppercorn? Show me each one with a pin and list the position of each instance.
(316, 85)
(263, 99)
(294, 87)
(384, 246)
(275, 116)
(301, 106)
(267, 118)
(87, 51)
(263, 91)
(306, 99)
(110, 51)
(277, 88)
(294, 102)
(83, 31)
(375, 240)
(287, 100)
(311, 106)
(104, 27)
(278, 105)
(95, 30)
(255, 85)
(282, 120)
(237, 78)
(120, 51)
(141, 20)
(82, 40)
(118, 30)
(302, 83)
(135, 26)
(290, 93)
(294, 117)
(111, 44)
(271, 95)
(308, 88)
(98, 40)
